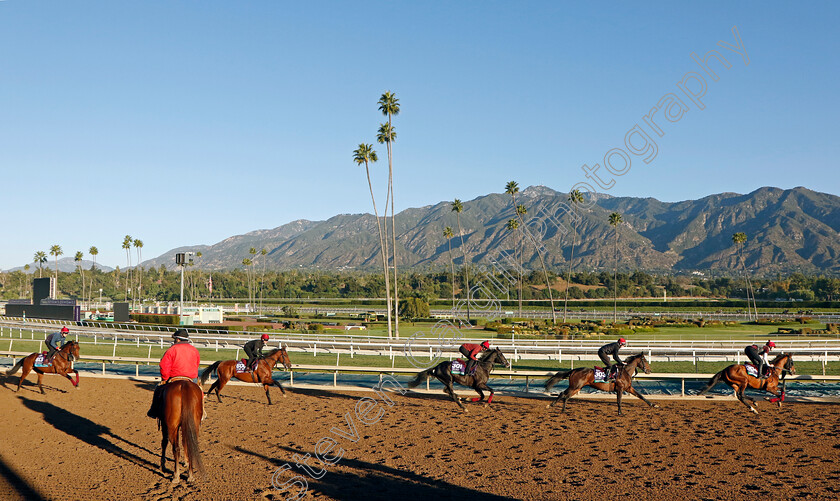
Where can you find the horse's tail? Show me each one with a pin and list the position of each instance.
(556, 378)
(421, 377)
(16, 367)
(208, 371)
(189, 427)
(712, 382)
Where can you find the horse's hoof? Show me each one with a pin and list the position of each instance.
(655, 406)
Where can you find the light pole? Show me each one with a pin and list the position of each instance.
(100, 297)
(181, 260)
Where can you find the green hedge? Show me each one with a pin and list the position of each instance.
(152, 318)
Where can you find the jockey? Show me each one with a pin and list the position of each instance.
(180, 360)
(254, 350)
(605, 351)
(758, 356)
(55, 340)
(470, 350)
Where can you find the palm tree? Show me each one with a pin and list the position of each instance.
(93, 251)
(56, 251)
(739, 239)
(521, 211)
(615, 220)
(389, 105)
(39, 259)
(138, 245)
(575, 197)
(25, 271)
(365, 154)
(263, 253)
(457, 208)
(513, 226)
(447, 233)
(127, 246)
(247, 263)
(253, 279)
(78, 259)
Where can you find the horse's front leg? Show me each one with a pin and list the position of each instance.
(267, 395)
(277, 384)
(40, 382)
(619, 391)
(163, 442)
(635, 393)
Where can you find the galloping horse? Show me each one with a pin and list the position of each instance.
(227, 370)
(478, 381)
(737, 378)
(578, 378)
(62, 363)
(183, 408)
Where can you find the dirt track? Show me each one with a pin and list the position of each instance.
(95, 443)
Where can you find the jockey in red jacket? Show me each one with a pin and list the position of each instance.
(180, 360)
(470, 351)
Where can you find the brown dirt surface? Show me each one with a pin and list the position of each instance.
(95, 443)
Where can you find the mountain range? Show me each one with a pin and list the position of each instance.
(787, 230)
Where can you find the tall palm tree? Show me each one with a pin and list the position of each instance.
(197, 280)
(253, 252)
(739, 239)
(78, 259)
(127, 246)
(25, 271)
(512, 188)
(513, 226)
(56, 251)
(615, 220)
(447, 233)
(520, 212)
(365, 154)
(263, 253)
(457, 208)
(575, 197)
(247, 263)
(389, 105)
(138, 246)
(39, 259)
(93, 251)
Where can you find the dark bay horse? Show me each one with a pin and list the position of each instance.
(262, 375)
(183, 408)
(478, 382)
(578, 378)
(62, 363)
(737, 378)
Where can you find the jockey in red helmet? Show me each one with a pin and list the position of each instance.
(611, 349)
(758, 356)
(254, 351)
(470, 351)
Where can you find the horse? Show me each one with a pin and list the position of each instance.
(583, 376)
(478, 381)
(183, 408)
(262, 374)
(737, 378)
(62, 363)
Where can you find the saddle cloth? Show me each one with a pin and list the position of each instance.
(602, 376)
(459, 367)
(751, 370)
(41, 360)
(241, 367)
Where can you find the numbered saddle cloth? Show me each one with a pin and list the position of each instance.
(751, 370)
(41, 361)
(600, 374)
(460, 366)
(241, 366)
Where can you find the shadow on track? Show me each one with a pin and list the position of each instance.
(89, 432)
(10, 479)
(373, 481)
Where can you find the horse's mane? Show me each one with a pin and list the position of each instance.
(69, 343)
(274, 351)
(486, 354)
(634, 357)
(779, 357)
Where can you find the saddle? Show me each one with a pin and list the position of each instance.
(42, 361)
(459, 367)
(752, 370)
(242, 366)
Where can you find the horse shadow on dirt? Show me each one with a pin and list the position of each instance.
(372, 481)
(89, 432)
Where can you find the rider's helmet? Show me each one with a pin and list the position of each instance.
(181, 335)
(486, 345)
(771, 344)
(65, 330)
(622, 341)
(264, 337)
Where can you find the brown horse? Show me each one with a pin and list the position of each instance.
(183, 408)
(737, 378)
(62, 363)
(262, 375)
(578, 378)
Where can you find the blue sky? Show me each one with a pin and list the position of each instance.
(184, 123)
